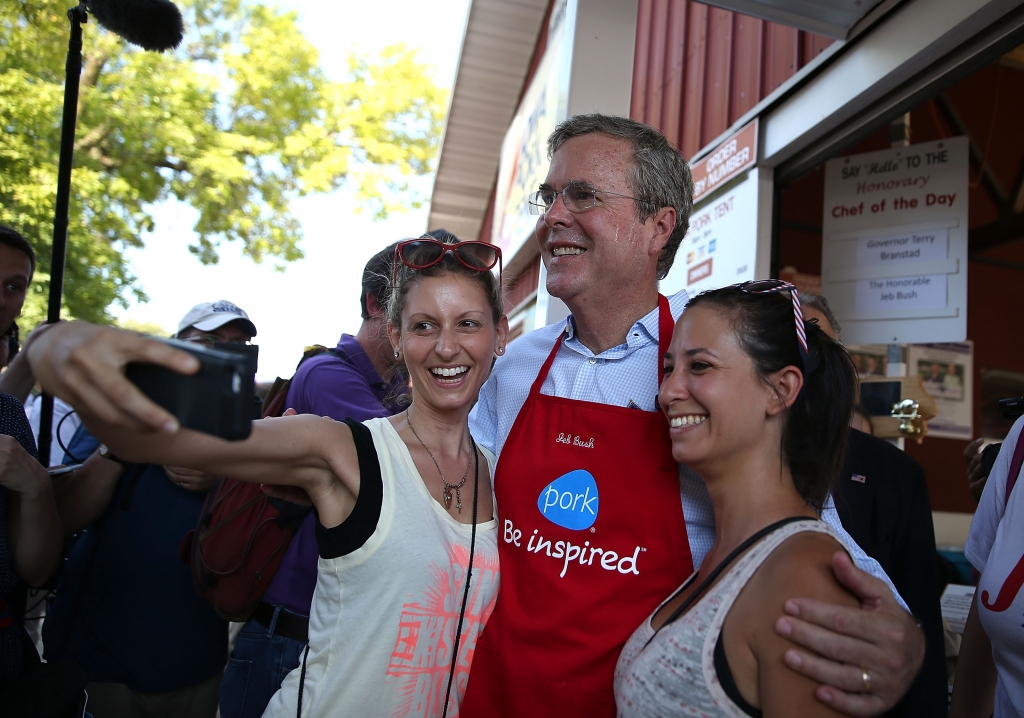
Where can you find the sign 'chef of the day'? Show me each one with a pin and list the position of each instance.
(894, 254)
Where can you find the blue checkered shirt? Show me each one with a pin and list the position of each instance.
(625, 375)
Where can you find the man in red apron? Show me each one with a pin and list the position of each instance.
(593, 534)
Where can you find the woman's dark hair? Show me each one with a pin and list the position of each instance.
(815, 427)
(405, 277)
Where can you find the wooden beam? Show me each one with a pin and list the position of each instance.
(991, 183)
(1002, 231)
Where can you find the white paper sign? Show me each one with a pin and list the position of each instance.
(924, 292)
(894, 252)
(947, 373)
(956, 605)
(720, 247)
(907, 247)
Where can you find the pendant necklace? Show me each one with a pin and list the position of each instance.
(448, 488)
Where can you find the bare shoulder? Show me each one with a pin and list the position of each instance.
(801, 567)
(314, 441)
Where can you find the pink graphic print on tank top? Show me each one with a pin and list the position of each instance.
(420, 662)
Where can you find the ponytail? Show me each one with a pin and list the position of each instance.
(814, 434)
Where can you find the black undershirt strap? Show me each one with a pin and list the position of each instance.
(353, 532)
(717, 571)
(728, 683)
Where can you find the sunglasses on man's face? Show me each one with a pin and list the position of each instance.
(210, 340)
(424, 253)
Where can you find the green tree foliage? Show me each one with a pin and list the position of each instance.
(235, 123)
(151, 328)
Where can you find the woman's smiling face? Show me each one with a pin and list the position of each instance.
(715, 402)
(447, 338)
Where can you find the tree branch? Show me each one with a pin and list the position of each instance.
(94, 63)
(93, 66)
(165, 163)
(107, 163)
(92, 138)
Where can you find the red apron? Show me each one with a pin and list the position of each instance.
(591, 540)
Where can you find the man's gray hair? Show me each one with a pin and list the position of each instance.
(816, 301)
(660, 176)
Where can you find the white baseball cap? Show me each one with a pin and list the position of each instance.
(212, 315)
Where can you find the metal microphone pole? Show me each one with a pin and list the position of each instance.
(72, 79)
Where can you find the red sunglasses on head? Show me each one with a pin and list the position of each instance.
(425, 252)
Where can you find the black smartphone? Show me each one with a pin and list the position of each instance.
(1012, 408)
(988, 457)
(218, 399)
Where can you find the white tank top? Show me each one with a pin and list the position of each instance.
(383, 620)
(675, 675)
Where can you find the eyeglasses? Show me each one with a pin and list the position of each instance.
(210, 340)
(425, 252)
(577, 198)
(773, 286)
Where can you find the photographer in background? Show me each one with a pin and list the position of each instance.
(980, 460)
(126, 609)
(979, 465)
(347, 382)
(30, 534)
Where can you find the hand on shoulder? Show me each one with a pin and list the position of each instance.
(800, 567)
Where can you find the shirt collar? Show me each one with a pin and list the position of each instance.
(640, 334)
(350, 347)
(390, 394)
(648, 327)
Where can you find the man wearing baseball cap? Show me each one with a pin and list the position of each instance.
(126, 609)
(230, 321)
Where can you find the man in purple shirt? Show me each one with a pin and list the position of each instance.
(357, 380)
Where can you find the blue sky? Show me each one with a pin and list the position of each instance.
(315, 299)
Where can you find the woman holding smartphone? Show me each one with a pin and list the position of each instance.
(407, 537)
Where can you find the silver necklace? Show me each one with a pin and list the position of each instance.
(448, 488)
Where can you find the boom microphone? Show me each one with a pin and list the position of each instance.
(150, 24)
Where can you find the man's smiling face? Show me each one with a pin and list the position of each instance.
(602, 249)
(15, 273)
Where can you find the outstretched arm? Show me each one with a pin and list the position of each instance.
(879, 639)
(84, 365)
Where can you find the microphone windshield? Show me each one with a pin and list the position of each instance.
(150, 24)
